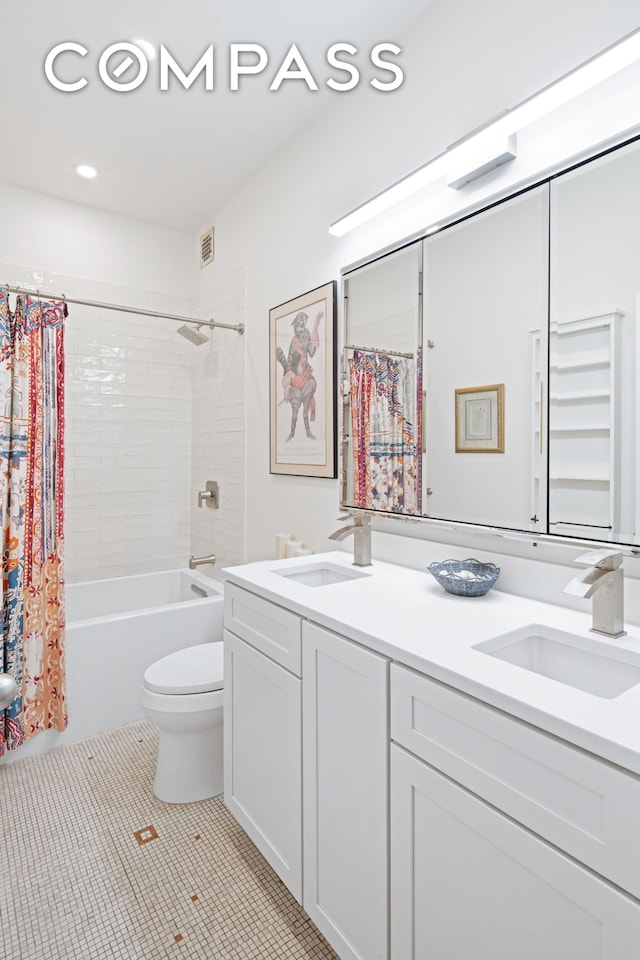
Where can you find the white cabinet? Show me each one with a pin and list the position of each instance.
(345, 783)
(467, 882)
(503, 838)
(336, 717)
(262, 756)
(415, 822)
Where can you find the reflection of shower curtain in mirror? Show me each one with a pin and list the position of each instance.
(31, 505)
(386, 454)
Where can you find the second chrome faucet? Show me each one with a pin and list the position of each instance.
(603, 582)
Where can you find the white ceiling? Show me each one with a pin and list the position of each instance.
(168, 158)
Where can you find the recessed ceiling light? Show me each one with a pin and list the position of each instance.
(147, 48)
(84, 170)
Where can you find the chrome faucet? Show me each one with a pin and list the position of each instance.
(360, 527)
(197, 561)
(602, 581)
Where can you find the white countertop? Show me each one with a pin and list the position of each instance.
(407, 616)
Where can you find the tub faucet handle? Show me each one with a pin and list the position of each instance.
(210, 495)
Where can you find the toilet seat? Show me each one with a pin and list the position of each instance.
(197, 669)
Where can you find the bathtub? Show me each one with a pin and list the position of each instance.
(115, 629)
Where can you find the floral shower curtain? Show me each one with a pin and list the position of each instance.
(31, 515)
(386, 451)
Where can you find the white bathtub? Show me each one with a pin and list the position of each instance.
(115, 629)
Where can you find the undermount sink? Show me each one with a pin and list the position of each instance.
(320, 574)
(579, 662)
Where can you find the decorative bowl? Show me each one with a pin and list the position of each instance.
(465, 578)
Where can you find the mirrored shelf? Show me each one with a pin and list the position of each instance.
(583, 440)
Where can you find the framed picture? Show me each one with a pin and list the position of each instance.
(480, 419)
(302, 357)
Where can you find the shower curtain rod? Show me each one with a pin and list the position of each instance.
(391, 353)
(103, 305)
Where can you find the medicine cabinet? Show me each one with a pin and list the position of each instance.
(490, 369)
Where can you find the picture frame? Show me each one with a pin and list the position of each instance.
(480, 419)
(303, 385)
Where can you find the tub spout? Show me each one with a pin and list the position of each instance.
(197, 561)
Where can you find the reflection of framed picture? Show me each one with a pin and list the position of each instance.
(480, 419)
(302, 357)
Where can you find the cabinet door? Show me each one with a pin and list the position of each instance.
(262, 759)
(468, 882)
(345, 737)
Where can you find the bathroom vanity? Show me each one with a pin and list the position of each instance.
(419, 784)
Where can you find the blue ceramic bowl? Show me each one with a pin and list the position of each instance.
(465, 578)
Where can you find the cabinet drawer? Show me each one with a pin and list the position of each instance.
(266, 626)
(583, 805)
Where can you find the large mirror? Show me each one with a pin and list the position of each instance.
(516, 363)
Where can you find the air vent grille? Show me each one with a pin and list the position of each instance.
(207, 248)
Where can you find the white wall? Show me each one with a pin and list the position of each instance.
(128, 378)
(71, 241)
(465, 62)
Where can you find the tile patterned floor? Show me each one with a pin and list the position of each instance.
(94, 867)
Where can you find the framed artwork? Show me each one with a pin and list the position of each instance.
(480, 419)
(302, 358)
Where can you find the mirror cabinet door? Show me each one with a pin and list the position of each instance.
(381, 383)
(485, 331)
(530, 414)
(594, 392)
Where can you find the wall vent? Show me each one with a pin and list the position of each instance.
(207, 248)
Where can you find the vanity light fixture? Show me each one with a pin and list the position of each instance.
(477, 156)
(494, 143)
(84, 170)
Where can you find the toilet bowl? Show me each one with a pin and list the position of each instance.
(182, 694)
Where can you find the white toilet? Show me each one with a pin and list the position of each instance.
(182, 694)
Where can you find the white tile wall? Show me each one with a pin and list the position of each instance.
(218, 446)
(149, 418)
(128, 444)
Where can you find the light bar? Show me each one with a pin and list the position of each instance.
(475, 157)
(450, 163)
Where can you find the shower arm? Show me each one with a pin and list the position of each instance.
(120, 308)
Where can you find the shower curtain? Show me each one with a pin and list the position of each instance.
(31, 515)
(386, 452)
